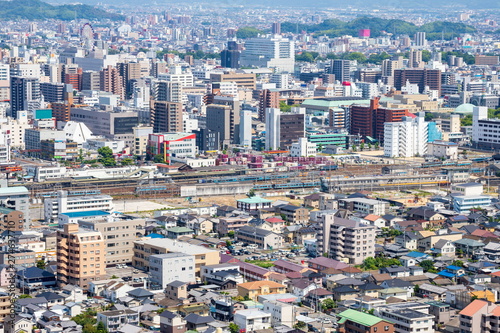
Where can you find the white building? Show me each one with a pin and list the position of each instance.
(281, 313)
(408, 317)
(303, 148)
(189, 124)
(16, 198)
(282, 80)
(168, 267)
(246, 128)
(272, 52)
(444, 149)
(252, 319)
(14, 129)
(272, 128)
(77, 132)
(485, 132)
(407, 138)
(52, 207)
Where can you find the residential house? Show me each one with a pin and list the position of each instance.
(293, 214)
(470, 248)
(254, 289)
(360, 322)
(393, 292)
(252, 319)
(444, 247)
(172, 323)
(115, 319)
(197, 323)
(398, 283)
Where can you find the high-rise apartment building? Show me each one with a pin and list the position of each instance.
(292, 128)
(420, 40)
(268, 99)
(4, 82)
(345, 240)
(341, 68)
(166, 117)
(91, 80)
(24, 94)
(421, 76)
(129, 71)
(276, 29)
(415, 60)
(407, 138)
(81, 256)
(167, 91)
(111, 81)
(52, 92)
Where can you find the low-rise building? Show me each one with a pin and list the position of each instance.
(252, 319)
(408, 317)
(114, 320)
(257, 288)
(265, 239)
(360, 322)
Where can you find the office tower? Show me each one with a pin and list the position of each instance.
(281, 80)
(246, 128)
(276, 29)
(292, 127)
(230, 58)
(345, 240)
(52, 92)
(420, 40)
(167, 91)
(406, 138)
(268, 99)
(166, 117)
(423, 77)
(272, 118)
(111, 81)
(4, 82)
(129, 71)
(368, 120)
(91, 80)
(81, 256)
(341, 69)
(272, 52)
(224, 117)
(62, 111)
(242, 80)
(415, 60)
(207, 140)
(24, 94)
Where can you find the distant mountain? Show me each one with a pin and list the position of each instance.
(38, 10)
(423, 4)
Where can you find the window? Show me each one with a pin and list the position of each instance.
(386, 328)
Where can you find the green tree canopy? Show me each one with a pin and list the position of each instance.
(106, 156)
(248, 32)
(428, 266)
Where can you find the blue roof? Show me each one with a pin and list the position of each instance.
(415, 254)
(86, 214)
(446, 274)
(154, 235)
(34, 272)
(454, 268)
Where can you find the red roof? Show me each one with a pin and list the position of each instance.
(274, 220)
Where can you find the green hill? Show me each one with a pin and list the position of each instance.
(337, 28)
(38, 10)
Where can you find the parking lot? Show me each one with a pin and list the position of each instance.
(251, 253)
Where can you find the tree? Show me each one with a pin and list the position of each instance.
(320, 147)
(114, 277)
(458, 263)
(299, 325)
(466, 120)
(106, 156)
(158, 158)
(376, 146)
(41, 264)
(428, 265)
(251, 193)
(233, 328)
(248, 32)
(228, 243)
(25, 296)
(127, 161)
(230, 234)
(416, 289)
(328, 304)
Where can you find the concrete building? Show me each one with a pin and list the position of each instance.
(303, 148)
(407, 138)
(252, 319)
(13, 129)
(443, 149)
(111, 81)
(106, 123)
(16, 198)
(141, 135)
(364, 205)
(479, 316)
(245, 128)
(272, 52)
(345, 240)
(178, 145)
(116, 319)
(119, 232)
(263, 238)
(281, 313)
(168, 267)
(341, 68)
(63, 203)
(166, 117)
(24, 94)
(360, 322)
(81, 256)
(410, 317)
(146, 247)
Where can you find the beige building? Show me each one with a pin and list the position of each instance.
(242, 80)
(346, 240)
(141, 134)
(81, 256)
(145, 247)
(119, 233)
